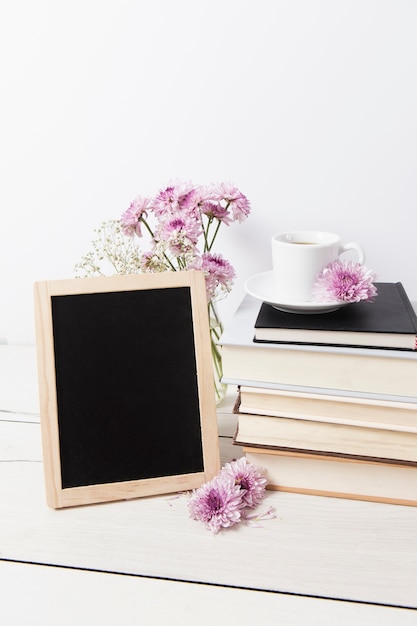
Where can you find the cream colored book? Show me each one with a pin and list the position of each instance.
(389, 372)
(327, 438)
(340, 409)
(337, 477)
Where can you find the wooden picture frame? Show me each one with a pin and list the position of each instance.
(126, 386)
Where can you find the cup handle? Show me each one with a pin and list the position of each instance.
(353, 246)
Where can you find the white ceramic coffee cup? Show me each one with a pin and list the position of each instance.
(297, 258)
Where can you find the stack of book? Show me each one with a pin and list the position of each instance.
(327, 403)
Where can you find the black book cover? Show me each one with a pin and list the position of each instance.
(390, 312)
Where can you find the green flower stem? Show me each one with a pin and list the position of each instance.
(214, 236)
(216, 329)
(208, 246)
(206, 232)
(149, 229)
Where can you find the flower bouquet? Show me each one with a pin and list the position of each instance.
(179, 225)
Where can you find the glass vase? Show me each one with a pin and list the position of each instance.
(216, 330)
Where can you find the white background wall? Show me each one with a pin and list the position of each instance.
(308, 106)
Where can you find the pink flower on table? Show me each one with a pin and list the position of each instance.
(131, 218)
(224, 501)
(344, 281)
(251, 480)
(217, 503)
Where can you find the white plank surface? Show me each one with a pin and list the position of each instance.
(315, 546)
(111, 599)
(18, 380)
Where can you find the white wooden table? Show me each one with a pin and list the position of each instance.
(319, 561)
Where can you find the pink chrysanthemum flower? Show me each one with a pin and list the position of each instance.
(217, 211)
(131, 218)
(177, 199)
(217, 503)
(189, 201)
(236, 202)
(166, 202)
(181, 233)
(250, 479)
(219, 273)
(344, 281)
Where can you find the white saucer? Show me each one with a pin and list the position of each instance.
(262, 287)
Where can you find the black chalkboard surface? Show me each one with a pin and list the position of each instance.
(126, 387)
